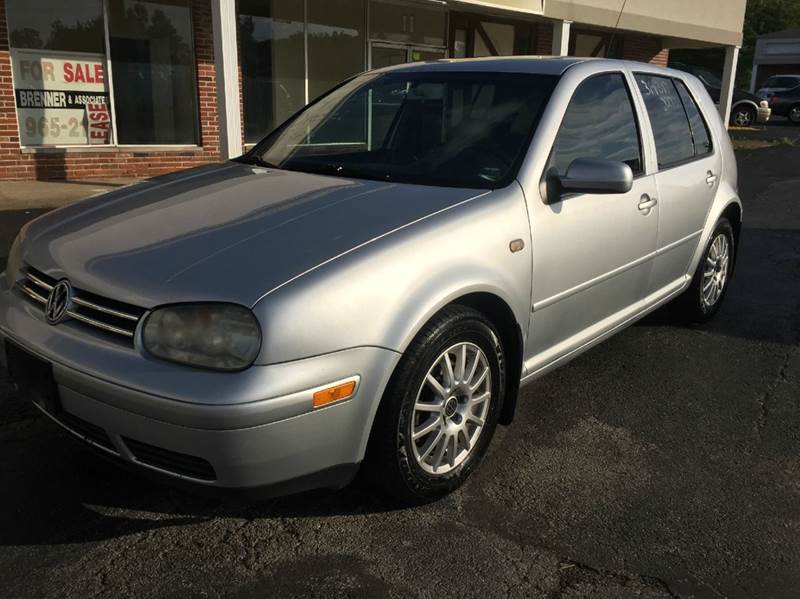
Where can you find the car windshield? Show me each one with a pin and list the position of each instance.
(707, 77)
(459, 129)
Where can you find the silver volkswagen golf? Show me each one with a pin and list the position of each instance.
(372, 283)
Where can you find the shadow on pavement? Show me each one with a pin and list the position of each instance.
(66, 493)
(762, 297)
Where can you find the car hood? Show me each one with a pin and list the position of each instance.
(230, 232)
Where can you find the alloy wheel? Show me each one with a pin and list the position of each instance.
(743, 118)
(715, 275)
(450, 409)
(794, 114)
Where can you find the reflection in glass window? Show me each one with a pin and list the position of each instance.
(700, 134)
(599, 123)
(48, 25)
(272, 62)
(671, 130)
(589, 44)
(154, 71)
(493, 39)
(336, 41)
(407, 23)
(460, 43)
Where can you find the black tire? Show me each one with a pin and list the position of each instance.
(794, 114)
(390, 462)
(690, 305)
(743, 116)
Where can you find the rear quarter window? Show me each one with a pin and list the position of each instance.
(700, 132)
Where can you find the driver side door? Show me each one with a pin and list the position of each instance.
(592, 253)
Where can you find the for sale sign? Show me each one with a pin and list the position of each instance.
(62, 98)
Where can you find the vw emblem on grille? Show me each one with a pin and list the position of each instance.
(58, 302)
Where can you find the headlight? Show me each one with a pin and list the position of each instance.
(14, 262)
(216, 336)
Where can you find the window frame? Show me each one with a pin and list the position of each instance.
(114, 145)
(695, 157)
(676, 81)
(636, 119)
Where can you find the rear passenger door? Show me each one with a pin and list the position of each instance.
(687, 178)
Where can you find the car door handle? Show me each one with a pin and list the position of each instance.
(646, 204)
(711, 178)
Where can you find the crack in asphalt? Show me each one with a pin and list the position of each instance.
(764, 399)
(564, 563)
(651, 581)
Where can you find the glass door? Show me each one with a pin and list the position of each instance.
(387, 55)
(383, 54)
(419, 54)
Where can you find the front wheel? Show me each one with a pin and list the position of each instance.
(440, 409)
(743, 116)
(710, 282)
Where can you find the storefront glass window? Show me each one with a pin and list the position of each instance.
(272, 63)
(45, 24)
(58, 63)
(597, 44)
(336, 43)
(494, 39)
(153, 67)
(407, 22)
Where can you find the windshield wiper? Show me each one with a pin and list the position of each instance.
(253, 159)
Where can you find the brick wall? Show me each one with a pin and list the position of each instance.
(111, 162)
(644, 49)
(544, 39)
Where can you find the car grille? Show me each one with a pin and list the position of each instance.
(171, 461)
(99, 313)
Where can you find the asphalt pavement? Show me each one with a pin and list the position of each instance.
(665, 462)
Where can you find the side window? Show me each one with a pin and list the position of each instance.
(700, 133)
(671, 130)
(599, 123)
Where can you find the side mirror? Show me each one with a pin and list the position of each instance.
(592, 175)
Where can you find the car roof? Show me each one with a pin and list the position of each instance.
(788, 75)
(535, 65)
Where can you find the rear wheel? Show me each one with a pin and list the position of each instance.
(440, 410)
(743, 116)
(710, 282)
(794, 114)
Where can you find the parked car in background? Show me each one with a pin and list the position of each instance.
(777, 83)
(787, 103)
(374, 281)
(746, 109)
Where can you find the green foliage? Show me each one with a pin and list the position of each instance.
(764, 16)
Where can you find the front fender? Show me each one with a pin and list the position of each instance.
(383, 293)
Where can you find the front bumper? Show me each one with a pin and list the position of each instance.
(252, 429)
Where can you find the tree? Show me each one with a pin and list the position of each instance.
(764, 16)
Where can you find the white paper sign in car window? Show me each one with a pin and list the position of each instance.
(61, 97)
